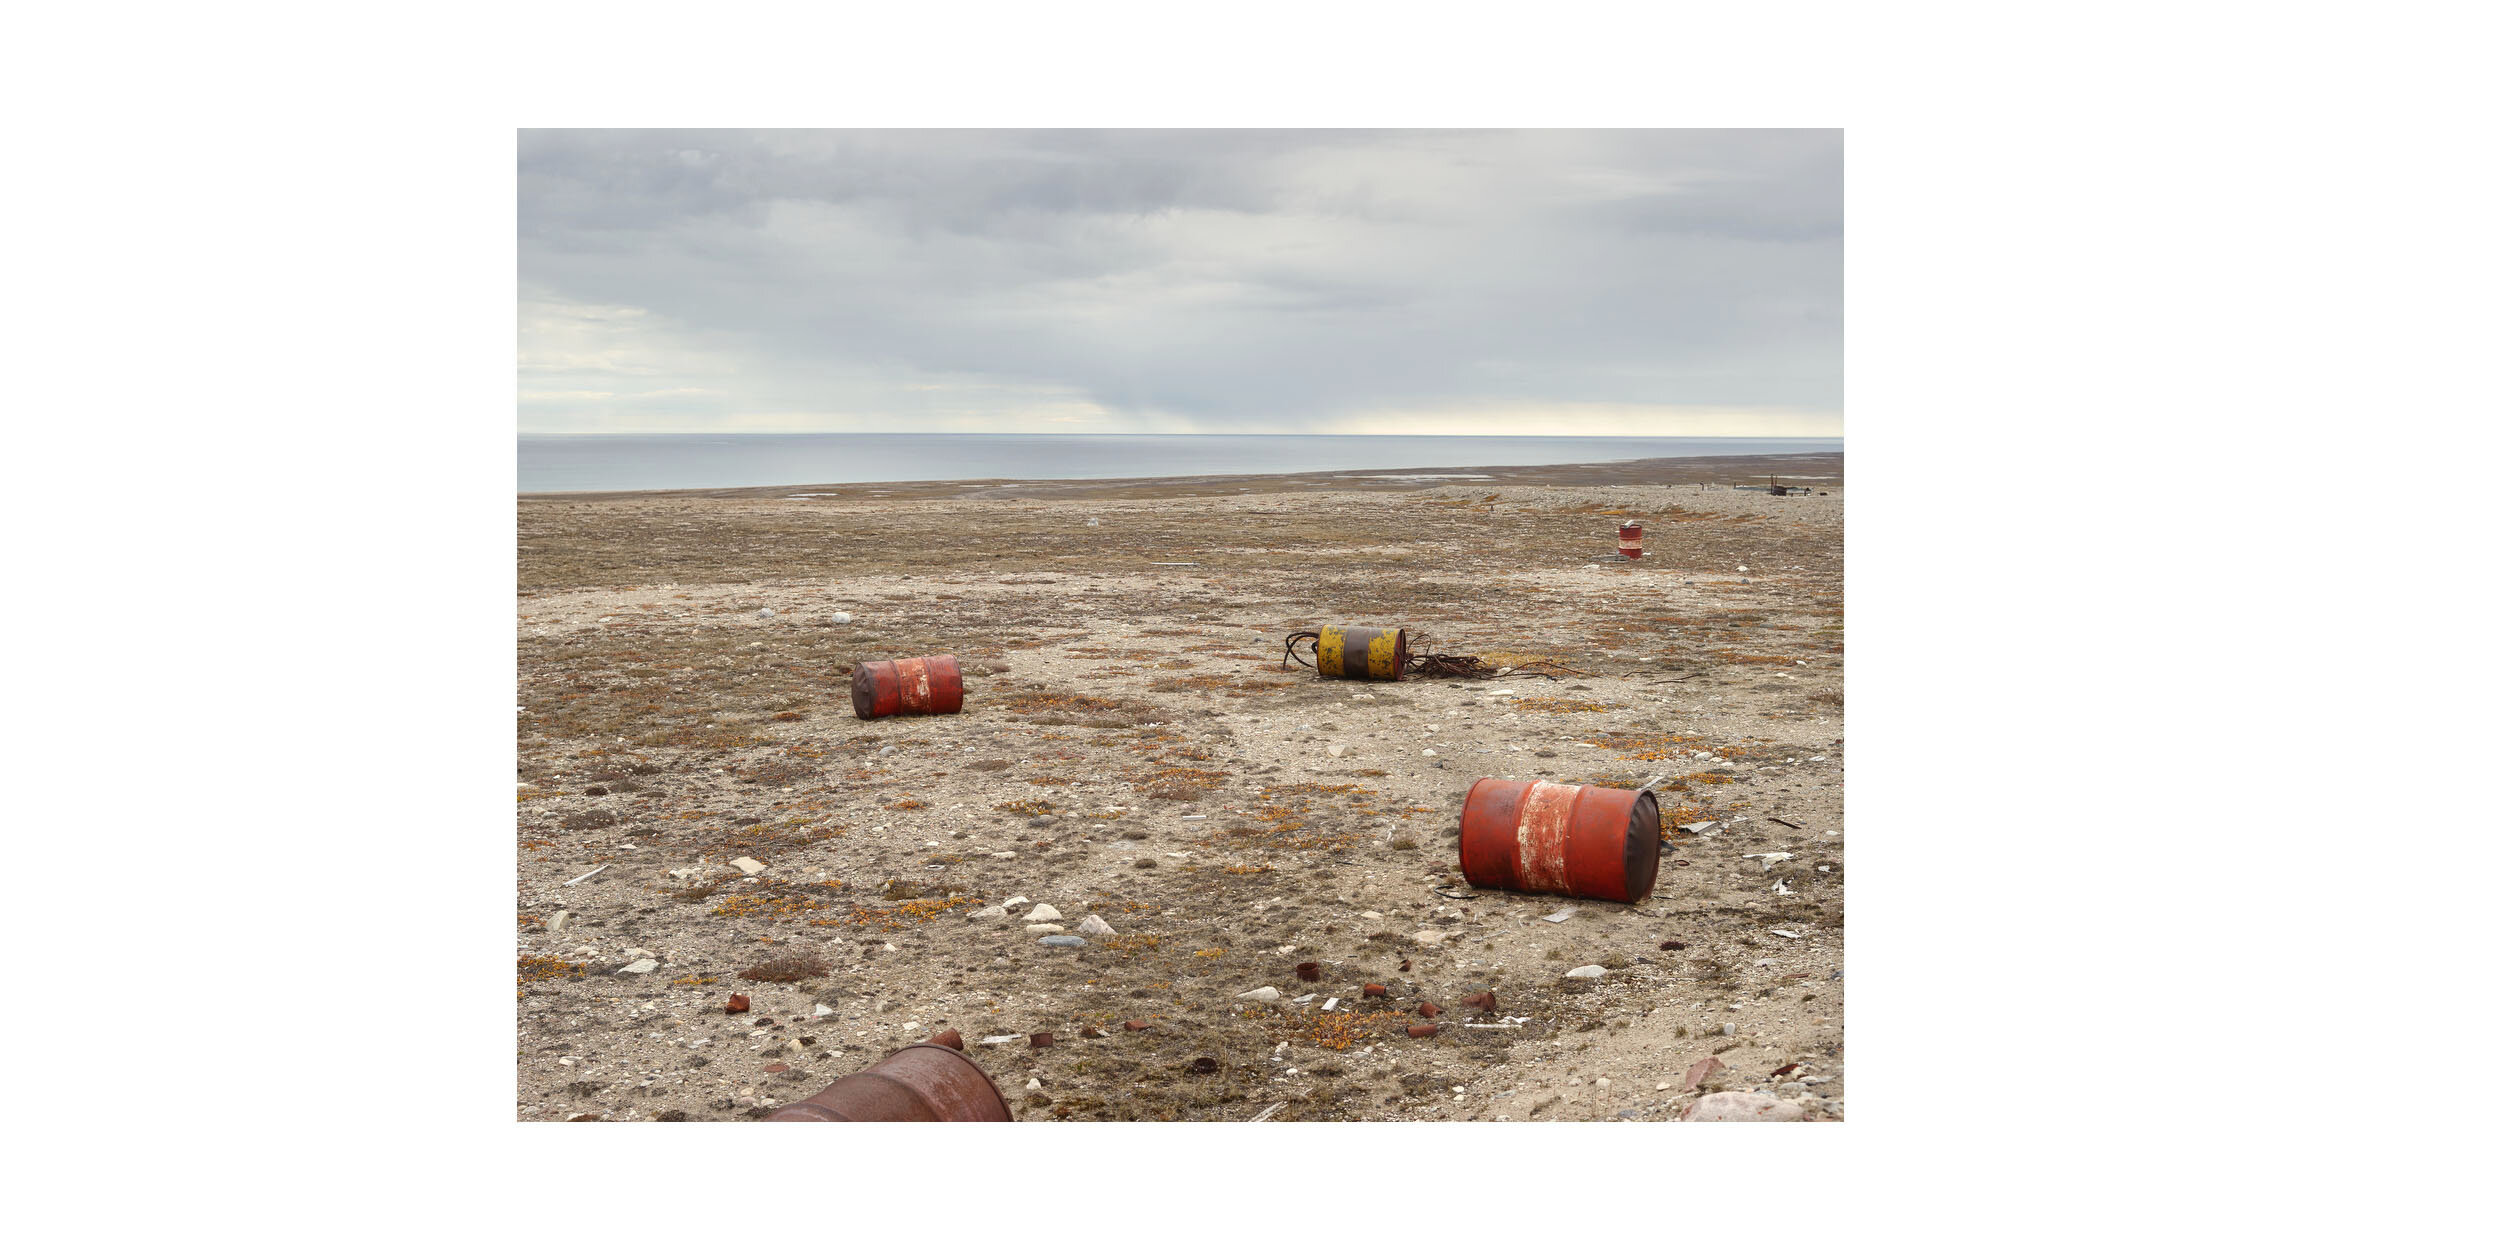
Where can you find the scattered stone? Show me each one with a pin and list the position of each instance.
(1035, 1083)
(1043, 912)
(1742, 1107)
(821, 1011)
(1336, 750)
(737, 1003)
(1017, 901)
(747, 866)
(1045, 928)
(557, 925)
(992, 912)
(1430, 937)
(1136, 1026)
(1096, 926)
(767, 614)
(640, 966)
(1265, 994)
(1586, 972)
(1698, 827)
(688, 874)
(1061, 940)
(1563, 915)
(841, 618)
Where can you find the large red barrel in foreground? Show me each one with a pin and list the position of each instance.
(1628, 540)
(1584, 841)
(923, 1081)
(930, 685)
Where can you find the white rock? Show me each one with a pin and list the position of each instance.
(1586, 972)
(1742, 1107)
(1035, 1083)
(636, 952)
(1430, 937)
(557, 925)
(821, 1011)
(1430, 753)
(1043, 912)
(1330, 1005)
(994, 911)
(1336, 750)
(1265, 994)
(1045, 928)
(1563, 915)
(766, 613)
(1017, 901)
(841, 618)
(747, 866)
(640, 966)
(1096, 926)
(688, 874)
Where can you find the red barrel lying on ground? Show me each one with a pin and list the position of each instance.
(1584, 841)
(931, 685)
(924, 1081)
(1628, 540)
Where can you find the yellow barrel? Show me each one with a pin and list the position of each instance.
(1362, 654)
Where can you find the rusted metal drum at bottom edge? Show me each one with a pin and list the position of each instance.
(1361, 654)
(923, 1082)
(930, 685)
(1591, 842)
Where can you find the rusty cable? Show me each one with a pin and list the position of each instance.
(1301, 635)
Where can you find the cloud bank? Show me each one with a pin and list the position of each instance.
(1530, 282)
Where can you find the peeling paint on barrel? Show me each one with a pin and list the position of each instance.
(1361, 654)
(930, 685)
(1542, 837)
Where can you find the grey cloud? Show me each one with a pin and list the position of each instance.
(1219, 280)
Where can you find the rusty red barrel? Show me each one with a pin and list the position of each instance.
(931, 685)
(1584, 841)
(1628, 539)
(923, 1081)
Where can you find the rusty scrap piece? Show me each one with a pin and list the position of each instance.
(1540, 837)
(1090, 1031)
(1137, 1026)
(776, 1068)
(1406, 965)
(1041, 1040)
(737, 1003)
(1202, 1065)
(920, 1082)
(949, 1038)
(1482, 1002)
(1422, 1030)
(1671, 946)
(1307, 971)
(930, 685)
(1428, 1011)
(1784, 1069)
(1375, 991)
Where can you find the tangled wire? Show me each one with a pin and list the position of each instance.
(1421, 663)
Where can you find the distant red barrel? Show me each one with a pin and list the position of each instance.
(931, 685)
(1628, 539)
(1584, 841)
(923, 1082)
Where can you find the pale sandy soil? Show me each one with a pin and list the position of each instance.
(664, 724)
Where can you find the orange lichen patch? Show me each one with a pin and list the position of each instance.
(768, 906)
(1734, 658)
(1244, 870)
(694, 980)
(905, 805)
(1338, 1030)
(901, 915)
(1557, 706)
(1210, 953)
(1131, 943)
(1180, 782)
(1026, 807)
(1046, 781)
(547, 968)
(1707, 779)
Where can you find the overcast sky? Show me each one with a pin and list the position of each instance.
(1525, 282)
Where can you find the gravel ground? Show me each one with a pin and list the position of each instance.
(1130, 750)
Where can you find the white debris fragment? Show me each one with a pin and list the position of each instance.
(1586, 972)
(588, 875)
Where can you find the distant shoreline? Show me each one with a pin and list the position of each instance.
(1820, 470)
